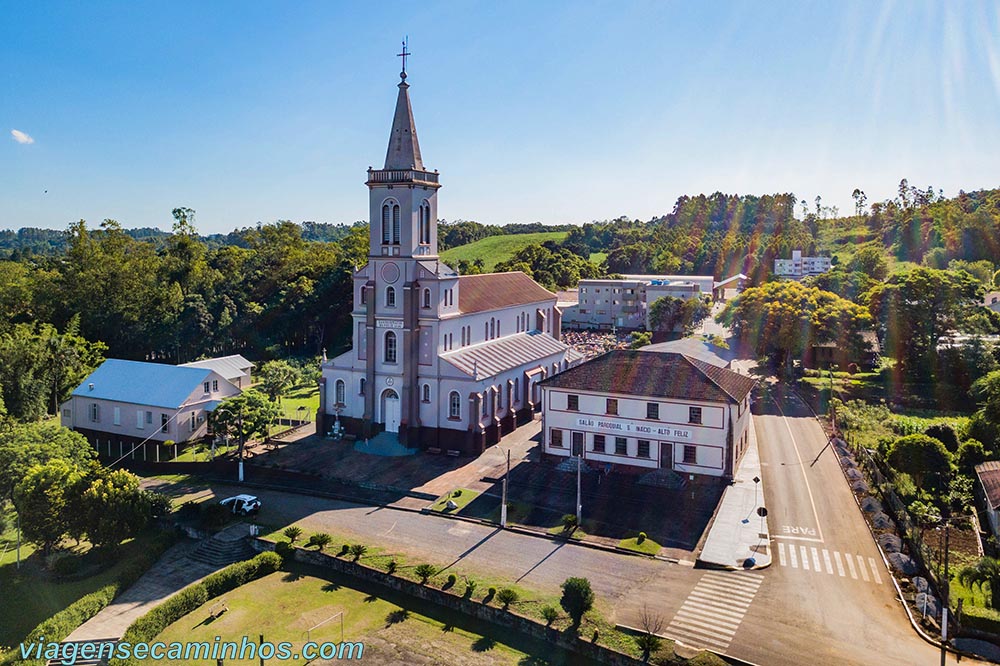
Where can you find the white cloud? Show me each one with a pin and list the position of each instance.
(21, 137)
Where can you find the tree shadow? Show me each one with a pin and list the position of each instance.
(397, 616)
(331, 587)
(489, 597)
(484, 644)
(370, 599)
(291, 577)
(448, 628)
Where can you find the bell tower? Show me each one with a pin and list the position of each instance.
(403, 194)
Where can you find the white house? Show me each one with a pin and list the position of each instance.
(800, 267)
(125, 403)
(646, 410)
(236, 369)
(438, 360)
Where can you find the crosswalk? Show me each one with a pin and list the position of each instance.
(713, 610)
(819, 560)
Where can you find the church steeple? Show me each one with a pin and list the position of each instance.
(404, 149)
(403, 194)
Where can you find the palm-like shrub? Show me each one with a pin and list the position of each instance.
(293, 533)
(984, 573)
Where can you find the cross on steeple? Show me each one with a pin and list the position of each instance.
(403, 55)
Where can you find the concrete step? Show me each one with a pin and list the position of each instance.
(220, 553)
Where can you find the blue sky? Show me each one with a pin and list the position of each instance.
(532, 111)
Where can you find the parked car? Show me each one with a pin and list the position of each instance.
(242, 504)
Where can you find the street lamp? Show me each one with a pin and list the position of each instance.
(503, 499)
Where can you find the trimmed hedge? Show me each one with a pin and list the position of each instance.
(241, 573)
(152, 624)
(980, 619)
(63, 623)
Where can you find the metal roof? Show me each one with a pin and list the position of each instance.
(229, 367)
(139, 383)
(698, 348)
(491, 358)
(989, 475)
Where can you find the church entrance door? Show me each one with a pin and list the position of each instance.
(390, 410)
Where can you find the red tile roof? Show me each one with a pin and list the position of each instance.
(989, 476)
(655, 374)
(491, 291)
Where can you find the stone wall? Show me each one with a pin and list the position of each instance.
(492, 614)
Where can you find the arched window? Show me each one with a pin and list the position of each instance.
(390, 347)
(493, 328)
(361, 386)
(386, 223)
(498, 328)
(454, 405)
(339, 392)
(390, 297)
(486, 335)
(486, 402)
(364, 295)
(395, 224)
(427, 298)
(425, 223)
(517, 386)
(427, 393)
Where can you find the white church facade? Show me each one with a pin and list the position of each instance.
(443, 361)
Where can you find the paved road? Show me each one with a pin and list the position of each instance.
(827, 599)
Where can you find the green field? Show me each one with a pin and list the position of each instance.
(306, 604)
(598, 257)
(495, 249)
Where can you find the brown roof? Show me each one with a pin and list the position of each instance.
(655, 374)
(491, 291)
(989, 476)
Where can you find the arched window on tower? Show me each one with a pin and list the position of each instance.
(390, 347)
(427, 298)
(395, 224)
(339, 392)
(426, 395)
(361, 386)
(386, 222)
(425, 223)
(390, 297)
(364, 295)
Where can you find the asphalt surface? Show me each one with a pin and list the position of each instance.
(826, 599)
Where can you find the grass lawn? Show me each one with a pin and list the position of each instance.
(30, 595)
(576, 534)
(309, 604)
(462, 499)
(598, 257)
(301, 396)
(648, 546)
(202, 452)
(495, 249)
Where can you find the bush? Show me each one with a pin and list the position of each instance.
(944, 433)
(507, 596)
(292, 532)
(424, 571)
(152, 624)
(321, 540)
(285, 550)
(67, 565)
(358, 550)
(970, 453)
(457, 493)
(189, 510)
(641, 537)
(470, 587)
(569, 521)
(214, 516)
(241, 573)
(577, 598)
(391, 568)
(550, 615)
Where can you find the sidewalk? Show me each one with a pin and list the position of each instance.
(738, 538)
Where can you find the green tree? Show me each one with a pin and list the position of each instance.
(292, 532)
(424, 572)
(984, 574)
(507, 596)
(245, 416)
(915, 309)
(970, 453)
(922, 457)
(115, 508)
(27, 445)
(870, 260)
(577, 598)
(43, 498)
(780, 320)
(276, 377)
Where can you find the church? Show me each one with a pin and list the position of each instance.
(441, 361)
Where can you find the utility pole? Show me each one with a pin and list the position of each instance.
(242, 444)
(503, 505)
(579, 504)
(944, 597)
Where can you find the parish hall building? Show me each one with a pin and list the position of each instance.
(640, 411)
(439, 360)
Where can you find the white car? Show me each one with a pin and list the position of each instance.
(242, 504)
